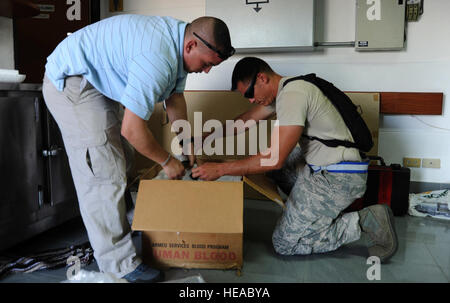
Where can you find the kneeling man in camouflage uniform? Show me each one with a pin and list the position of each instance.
(320, 181)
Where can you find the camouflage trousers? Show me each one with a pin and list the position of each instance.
(313, 221)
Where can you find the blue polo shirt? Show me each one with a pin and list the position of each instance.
(133, 59)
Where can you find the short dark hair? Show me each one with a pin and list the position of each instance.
(216, 30)
(246, 69)
(221, 35)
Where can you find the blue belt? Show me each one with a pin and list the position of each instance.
(343, 167)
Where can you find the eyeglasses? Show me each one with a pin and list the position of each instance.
(222, 55)
(250, 92)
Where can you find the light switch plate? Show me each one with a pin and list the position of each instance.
(431, 163)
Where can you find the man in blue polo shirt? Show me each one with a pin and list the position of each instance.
(132, 61)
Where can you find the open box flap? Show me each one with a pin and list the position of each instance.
(259, 183)
(264, 186)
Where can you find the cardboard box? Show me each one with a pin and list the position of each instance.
(195, 224)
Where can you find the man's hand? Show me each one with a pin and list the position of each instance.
(208, 171)
(174, 169)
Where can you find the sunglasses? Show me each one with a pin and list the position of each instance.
(223, 56)
(250, 92)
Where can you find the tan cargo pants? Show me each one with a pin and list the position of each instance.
(90, 126)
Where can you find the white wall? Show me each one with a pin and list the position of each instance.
(424, 66)
(186, 10)
(6, 44)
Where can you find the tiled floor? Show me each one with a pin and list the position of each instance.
(423, 254)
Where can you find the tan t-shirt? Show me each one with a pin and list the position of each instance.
(302, 103)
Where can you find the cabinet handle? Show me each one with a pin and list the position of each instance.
(37, 110)
(51, 152)
(40, 196)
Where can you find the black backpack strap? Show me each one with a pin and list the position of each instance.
(333, 142)
(330, 143)
(308, 77)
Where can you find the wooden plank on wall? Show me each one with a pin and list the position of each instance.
(405, 103)
(411, 103)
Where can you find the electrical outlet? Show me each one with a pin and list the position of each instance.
(431, 163)
(411, 162)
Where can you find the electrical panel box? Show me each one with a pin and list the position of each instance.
(264, 26)
(380, 24)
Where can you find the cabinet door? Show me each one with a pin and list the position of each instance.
(35, 38)
(60, 187)
(22, 177)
